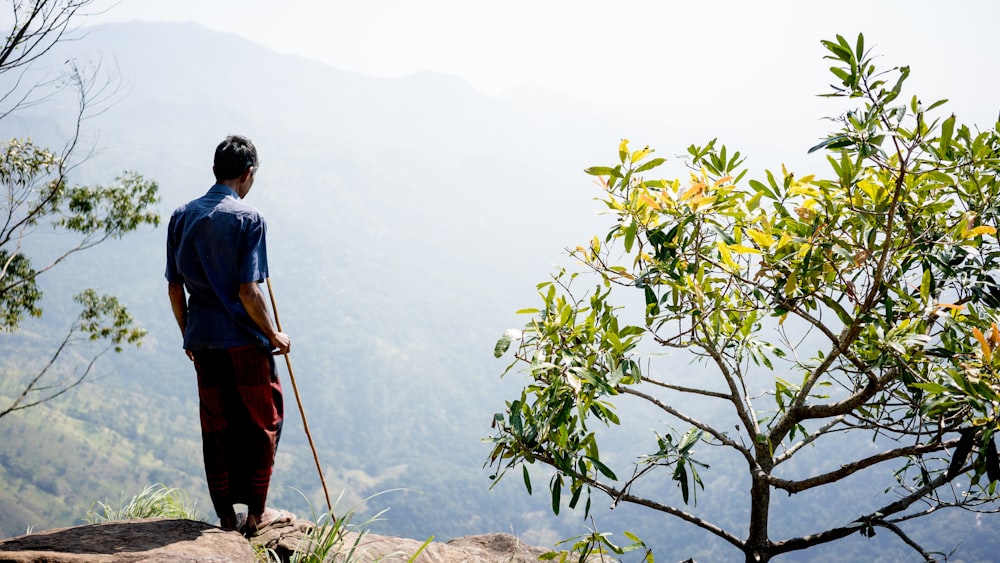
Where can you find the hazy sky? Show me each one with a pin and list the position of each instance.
(745, 72)
(619, 52)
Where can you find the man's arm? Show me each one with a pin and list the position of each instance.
(253, 301)
(178, 302)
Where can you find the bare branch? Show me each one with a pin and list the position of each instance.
(22, 401)
(820, 432)
(37, 29)
(849, 469)
(690, 390)
(872, 518)
(720, 436)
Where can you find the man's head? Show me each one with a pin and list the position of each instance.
(234, 157)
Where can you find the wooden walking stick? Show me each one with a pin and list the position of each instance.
(295, 388)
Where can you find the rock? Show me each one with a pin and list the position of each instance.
(497, 547)
(283, 541)
(154, 540)
(162, 540)
(487, 548)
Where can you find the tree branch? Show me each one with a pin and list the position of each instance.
(720, 436)
(849, 469)
(876, 516)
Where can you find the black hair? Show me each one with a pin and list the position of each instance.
(233, 157)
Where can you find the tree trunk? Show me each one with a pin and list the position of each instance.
(758, 545)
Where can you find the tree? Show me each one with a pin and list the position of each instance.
(858, 308)
(38, 195)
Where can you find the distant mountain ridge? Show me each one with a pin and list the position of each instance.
(409, 218)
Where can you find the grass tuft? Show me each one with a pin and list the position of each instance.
(337, 539)
(154, 501)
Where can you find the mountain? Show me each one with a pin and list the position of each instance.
(409, 218)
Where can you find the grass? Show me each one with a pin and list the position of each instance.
(336, 539)
(332, 539)
(154, 501)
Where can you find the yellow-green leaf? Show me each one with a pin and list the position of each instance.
(640, 154)
(804, 249)
(703, 202)
(726, 256)
(978, 231)
(791, 284)
(803, 190)
(762, 239)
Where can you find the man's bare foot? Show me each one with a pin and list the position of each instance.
(271, 518)
(234, 522)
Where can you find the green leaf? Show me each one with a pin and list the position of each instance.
(834, 142)
(761, 188)
(630, 231)
(961, 453)
(576, 496)
(935, 388)
(936, 104)
(599, 171)
(651, 164)
(503, 344)
(992, 461)
(841, 74)
(680, 475)
(838, 50)
(556, 487)
(947, 129)
(604, 469)
(689, 439)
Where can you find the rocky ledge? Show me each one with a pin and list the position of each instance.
(163, 540)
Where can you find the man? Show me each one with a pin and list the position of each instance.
(216, 259)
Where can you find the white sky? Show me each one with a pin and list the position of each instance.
(657, 56)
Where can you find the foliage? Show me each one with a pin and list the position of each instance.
(154, 501)
(102, 318)
(37, 194)
(861, 307)
(337, 539)
(597, 545)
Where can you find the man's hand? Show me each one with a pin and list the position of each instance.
(253, 301)
(280, 344)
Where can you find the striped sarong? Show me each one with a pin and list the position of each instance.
(241, 416)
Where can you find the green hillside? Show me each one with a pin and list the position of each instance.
(408, 220)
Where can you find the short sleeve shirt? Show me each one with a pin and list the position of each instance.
(214, 244)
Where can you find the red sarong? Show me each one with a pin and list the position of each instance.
(241, 416)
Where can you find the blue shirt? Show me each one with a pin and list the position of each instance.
(214, 244)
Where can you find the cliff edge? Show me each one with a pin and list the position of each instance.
(166, 540)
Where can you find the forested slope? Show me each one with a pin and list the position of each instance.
(408, 219)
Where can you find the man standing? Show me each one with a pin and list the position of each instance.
(216, 259)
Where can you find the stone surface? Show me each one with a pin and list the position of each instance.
(186, 541)
(497, 547)
(487, 548)
(154, 540)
